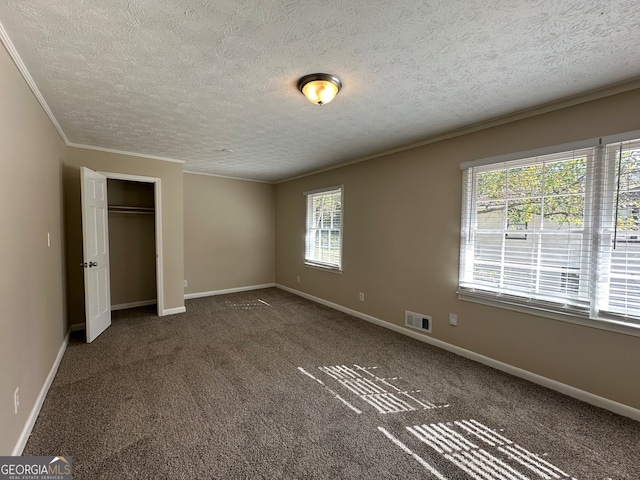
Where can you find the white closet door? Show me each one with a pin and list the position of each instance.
(95, 242)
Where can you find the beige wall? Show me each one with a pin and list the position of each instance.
(228, 233)
(32, 321)
(401, 248)
(170, 175)
(132, 258)
(132, 243)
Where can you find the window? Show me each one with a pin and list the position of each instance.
(558, 232)
(324, 228)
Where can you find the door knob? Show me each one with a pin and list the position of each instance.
(83, 264)
(93, 264)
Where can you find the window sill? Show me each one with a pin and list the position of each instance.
(600, 324)
(325, 268)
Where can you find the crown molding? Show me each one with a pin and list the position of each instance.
(122, 152)
(4, 36)
(494, 122)
(191, 172)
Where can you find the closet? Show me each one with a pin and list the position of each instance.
(132, 243)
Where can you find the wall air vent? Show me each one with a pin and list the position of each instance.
(417, 321)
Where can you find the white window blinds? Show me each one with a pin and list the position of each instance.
(557, 232)
(323, 245)
(619, 292)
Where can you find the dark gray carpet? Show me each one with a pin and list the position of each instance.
(236, 388)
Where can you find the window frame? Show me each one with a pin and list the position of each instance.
(600, 178)
(309, 230)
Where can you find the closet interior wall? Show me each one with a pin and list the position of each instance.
(132, 243)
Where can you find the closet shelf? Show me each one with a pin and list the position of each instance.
(124, 209)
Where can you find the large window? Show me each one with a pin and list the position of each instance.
(324, 228)
(558, 232)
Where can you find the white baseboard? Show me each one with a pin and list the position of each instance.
(76, 327)
(35, 411)
(598, 401)
(167, 311)
(172, 311)
(228, 290)
(143, 303)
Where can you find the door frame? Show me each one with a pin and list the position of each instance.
(157, 198)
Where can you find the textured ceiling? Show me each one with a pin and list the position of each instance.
(191, 80)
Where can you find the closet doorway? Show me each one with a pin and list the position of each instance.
(135, 241)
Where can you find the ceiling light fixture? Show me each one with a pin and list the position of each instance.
(319, 88)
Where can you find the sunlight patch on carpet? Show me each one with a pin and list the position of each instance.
(465, 443)
(378, 392)
(431, 469)
(330, 391)
(246, 305)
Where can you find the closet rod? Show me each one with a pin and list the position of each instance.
(123, 209)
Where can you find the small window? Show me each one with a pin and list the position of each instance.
(324, 228)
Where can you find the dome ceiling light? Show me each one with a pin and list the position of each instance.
(319, 88)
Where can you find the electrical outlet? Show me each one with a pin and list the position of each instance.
(16, 400)
(453, 319)
(185, 284)
(298, 278)
(361, 296)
